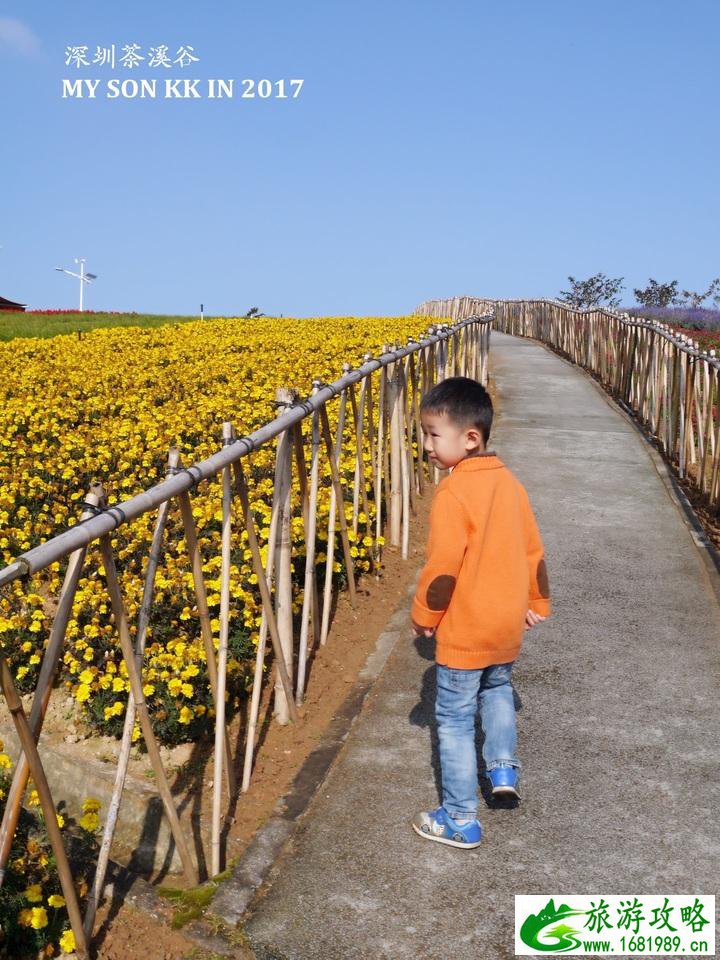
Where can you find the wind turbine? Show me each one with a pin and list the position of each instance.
(82, 276)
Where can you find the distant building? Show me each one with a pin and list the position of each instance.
(11, 305)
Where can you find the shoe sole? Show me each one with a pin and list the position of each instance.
(452, 843)
(506, 791)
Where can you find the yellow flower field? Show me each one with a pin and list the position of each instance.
(108, 407)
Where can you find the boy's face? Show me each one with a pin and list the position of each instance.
(446, 442)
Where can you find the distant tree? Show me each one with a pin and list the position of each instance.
(657, 294)
(595, 291)
(695, 300)
(253, 312)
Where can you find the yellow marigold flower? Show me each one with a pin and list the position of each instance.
(56, 901)
(187, 689)
(186, 715)
(39, 918)
(118, 684)
(148, 689)
(90, 822)
(33, 894)
(67, 942)
(25, 917)
(21, 673)
(91, 805)
(60, 820)
(89, 654)
(82, 693)
(87, 676)
(174, 686)
(34, 799)
(5, 761)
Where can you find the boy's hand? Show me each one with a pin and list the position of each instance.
(419, 631)
(531, 618)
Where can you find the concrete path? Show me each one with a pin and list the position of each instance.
(618, 719)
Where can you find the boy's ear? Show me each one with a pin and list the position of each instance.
(473, 438)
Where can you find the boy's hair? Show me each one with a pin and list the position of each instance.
(465, 401)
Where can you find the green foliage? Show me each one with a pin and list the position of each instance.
(695, 299)
(657, 294)
(596, 291)
(31, 882)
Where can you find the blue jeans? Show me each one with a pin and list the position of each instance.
(458, 694)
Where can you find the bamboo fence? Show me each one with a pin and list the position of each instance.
(379, 407)
(663, 379)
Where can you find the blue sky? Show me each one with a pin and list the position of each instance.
(436, 148)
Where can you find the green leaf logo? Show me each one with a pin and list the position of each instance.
(564, 936)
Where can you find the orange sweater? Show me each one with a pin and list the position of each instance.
(485, 566)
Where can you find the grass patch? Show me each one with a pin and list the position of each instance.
(191, 904)
(19, 324)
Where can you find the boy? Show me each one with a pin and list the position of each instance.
(484, 583)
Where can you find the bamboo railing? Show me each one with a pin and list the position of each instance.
(456, 308)
(665, 380)
(379, 407)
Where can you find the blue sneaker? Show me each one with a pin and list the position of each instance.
(504, 780)
(437, 825)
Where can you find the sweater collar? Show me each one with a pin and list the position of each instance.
(481, 461)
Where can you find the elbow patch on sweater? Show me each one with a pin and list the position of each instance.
(542, 580)
(439, 592)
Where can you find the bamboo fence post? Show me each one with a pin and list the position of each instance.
(386, 374)
(118, 608)
(227, 439)
(193, 548)
(689, 448)
(264, 577)
(695, 403)
(43, 691)
(414, 377)
(715, 476)
(359, 489)
(708, 432)
(310, 545)
(305, 493)
(380, 458)
(336, 502)
(126, 742)
(710, 399)
(262, 640)
(396, 484)
(284, 399)
(405, 453)
(666, 395)
(409, 426)
(341, 508)
(27, 742)
(371, 424)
